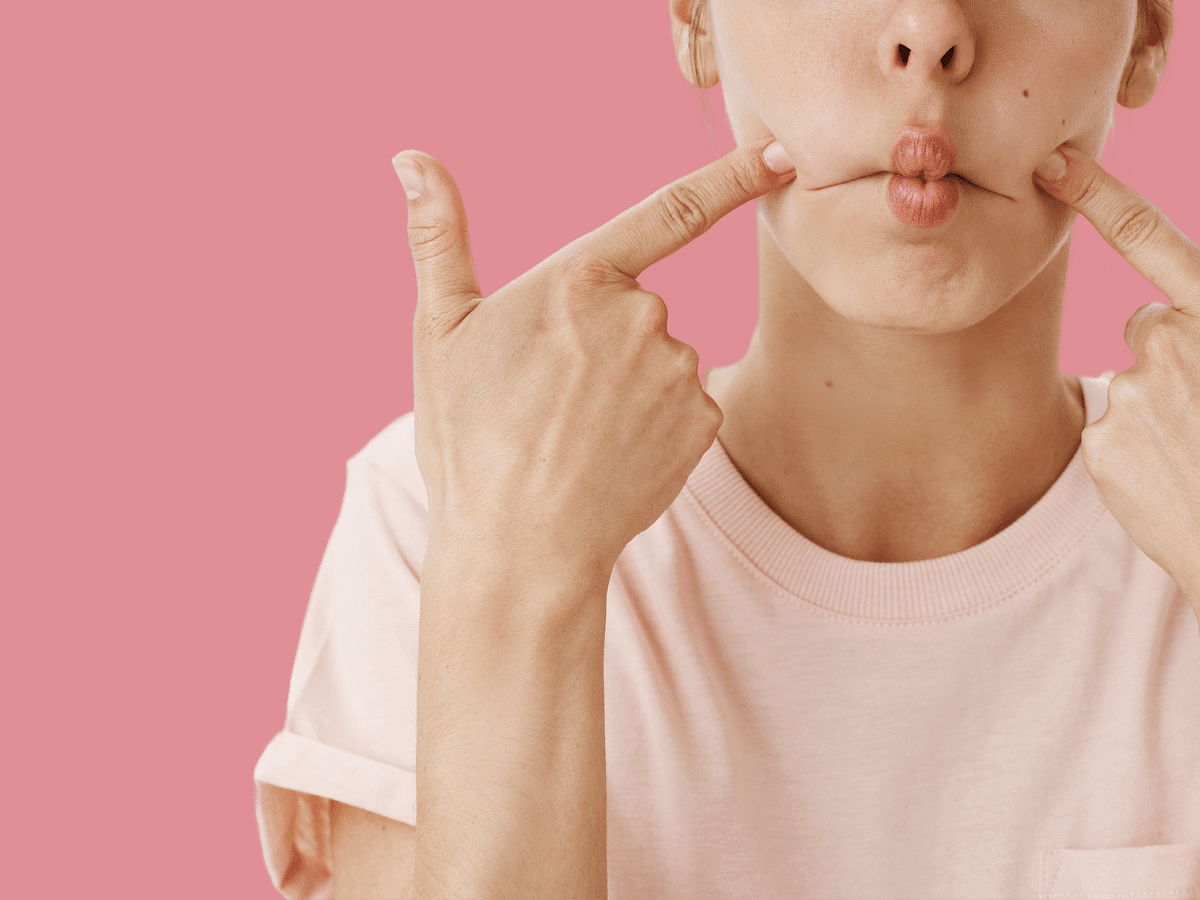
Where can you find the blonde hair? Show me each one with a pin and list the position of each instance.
(699, 9)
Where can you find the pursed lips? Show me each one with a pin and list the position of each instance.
(925, 152)
(889, 173)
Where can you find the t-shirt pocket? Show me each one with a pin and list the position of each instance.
(1160, 872)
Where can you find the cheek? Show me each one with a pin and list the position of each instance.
(813, 82)
(800, 81)
(1071, 66)
(819, 94)
(1049, 92)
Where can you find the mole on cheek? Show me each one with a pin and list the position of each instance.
(1025, 93)
(829, 384)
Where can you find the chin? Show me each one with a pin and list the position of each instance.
(871, 270)
(898, 296)
(909, 311)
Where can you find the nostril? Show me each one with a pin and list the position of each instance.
(948, 59)
(903, 53)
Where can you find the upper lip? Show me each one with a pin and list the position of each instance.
(925, 153)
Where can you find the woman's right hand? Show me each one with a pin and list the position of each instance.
(558, 416)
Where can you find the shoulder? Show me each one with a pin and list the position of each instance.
(391, 456)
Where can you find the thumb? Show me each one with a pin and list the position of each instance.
(438, 238)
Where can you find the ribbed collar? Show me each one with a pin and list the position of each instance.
(944, 587)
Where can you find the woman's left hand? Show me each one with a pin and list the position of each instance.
(1144, 452)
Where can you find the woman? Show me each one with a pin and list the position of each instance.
(889, 608)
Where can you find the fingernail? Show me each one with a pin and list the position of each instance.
(410, 175)
(1053, 167)
(777, 159)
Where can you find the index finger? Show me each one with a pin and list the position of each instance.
(677, 214)
(1135, 227)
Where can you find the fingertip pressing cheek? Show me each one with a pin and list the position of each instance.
(1052, 168)
(808, 74)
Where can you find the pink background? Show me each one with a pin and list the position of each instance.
(208, 301)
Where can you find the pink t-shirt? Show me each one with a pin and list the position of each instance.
(1021, 719)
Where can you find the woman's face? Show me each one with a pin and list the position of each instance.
(858, 91)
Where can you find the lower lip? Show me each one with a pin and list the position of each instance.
(920, 204)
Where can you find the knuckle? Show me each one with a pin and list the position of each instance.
(715, 416)
(691, 374)
(1086, 190)
(689, 357)
(1135, 225)
(430, 239)
(650, 315)
(1159, 341)
(1090, 444)
(582, 270)
(683, 208)
(747, 175)
(686, 362)
(1136, 324)
(1121, 391)
(432, 321)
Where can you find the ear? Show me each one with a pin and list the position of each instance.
(1148, 56)
(703, 56)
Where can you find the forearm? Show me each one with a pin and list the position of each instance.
(510, 728)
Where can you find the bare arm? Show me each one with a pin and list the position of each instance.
(510, 727)
(373, 856)
(553, 421)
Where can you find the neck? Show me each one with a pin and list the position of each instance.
(892, 447)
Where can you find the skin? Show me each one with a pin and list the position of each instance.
(1142, 452)
(912, 372)
(900, 398)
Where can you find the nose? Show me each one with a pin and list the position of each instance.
(927, 40)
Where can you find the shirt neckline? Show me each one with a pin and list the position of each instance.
(904, 592)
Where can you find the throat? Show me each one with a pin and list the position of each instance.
(869, 490)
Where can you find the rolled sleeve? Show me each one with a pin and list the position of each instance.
(350, 729)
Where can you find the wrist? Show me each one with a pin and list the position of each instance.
(482, 559)
(479, 531)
